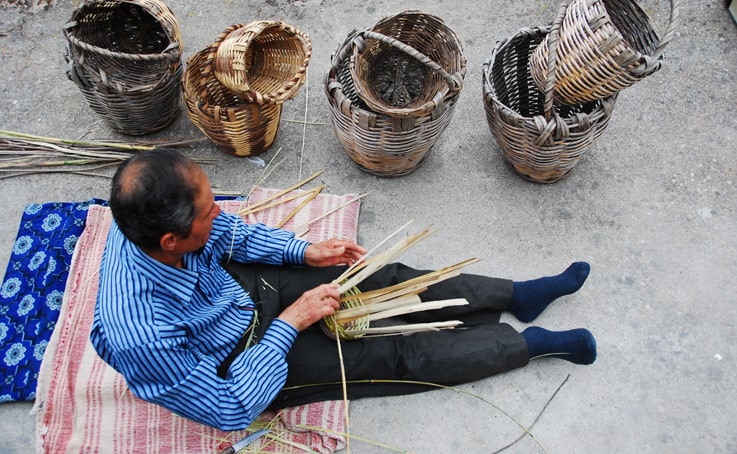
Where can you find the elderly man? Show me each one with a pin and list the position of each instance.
(215, 319)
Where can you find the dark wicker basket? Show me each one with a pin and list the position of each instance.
(239, 127)
(125, 57)
(604, 47)
(541, 140)
(407, 64)
(379, 144)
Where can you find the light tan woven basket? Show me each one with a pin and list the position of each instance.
(125, 57)
(378, 143)
(541, 140)
(239, 127)
(407, 64)
(605, 46)
(264, 62)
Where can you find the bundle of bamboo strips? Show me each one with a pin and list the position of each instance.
(24, 154)
(289, 194)
(359, 309)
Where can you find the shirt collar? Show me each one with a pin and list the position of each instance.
(179, 282)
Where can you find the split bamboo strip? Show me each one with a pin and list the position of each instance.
(281, 193)
(407, 329)
(350, 314)
(345, 391)
(360, 263)
(260, 207)
(384, 258)
(423, 306)
(432, 276)
(310, 197)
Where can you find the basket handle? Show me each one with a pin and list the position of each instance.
(552, 38)
(652, 62)
(172, 52)
(455, 83)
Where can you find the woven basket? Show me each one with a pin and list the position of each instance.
(605, 46)
(346, 331)
(542, 141)
(264, 62)
(407, 64)
(239, 127)
(125, 57)
(379, 144)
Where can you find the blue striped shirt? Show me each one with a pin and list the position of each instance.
(166, 329)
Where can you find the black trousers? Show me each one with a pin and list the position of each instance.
(481, 347)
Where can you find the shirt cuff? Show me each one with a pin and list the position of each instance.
(294, 252)
(280, 336)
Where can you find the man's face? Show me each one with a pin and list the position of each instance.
(206, 210)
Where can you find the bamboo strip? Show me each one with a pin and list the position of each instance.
(281, 193)
(249, 210)
(311, 196)
(432, 276)
(423, 306)
(385, 258)
(350, 314)
(328, 213)
(407, 329)
(359, 263)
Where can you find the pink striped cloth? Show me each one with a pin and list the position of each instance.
(83, 405)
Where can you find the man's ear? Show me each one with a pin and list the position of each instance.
(168, 242)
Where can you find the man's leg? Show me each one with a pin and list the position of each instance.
(383, 366)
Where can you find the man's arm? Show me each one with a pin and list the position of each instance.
(169, 374)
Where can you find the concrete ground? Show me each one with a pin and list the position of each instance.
(652, 206)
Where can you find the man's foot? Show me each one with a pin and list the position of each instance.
(577, 345)
(530, 298)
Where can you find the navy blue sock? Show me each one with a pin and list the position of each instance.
(577, 345)
(530, 298)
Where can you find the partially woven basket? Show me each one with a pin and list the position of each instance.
(349, 330)
(237, 126)
(264, 62)
(604, 47)
(407, 64)
(542, 141)
(125, 57)
(378, 143)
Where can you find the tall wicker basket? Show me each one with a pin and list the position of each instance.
(125, 57)
(378, 143)
(604, 47)
(392, 91)
(541, 140)
(242, 122)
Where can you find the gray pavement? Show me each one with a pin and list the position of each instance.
(652, 206)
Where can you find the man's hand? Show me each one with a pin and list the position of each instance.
(312, 306)
(333, 252)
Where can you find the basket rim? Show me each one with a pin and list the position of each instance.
(454, 82)
(288, 90)
(600, 108)
(199, 88)
(172, 53)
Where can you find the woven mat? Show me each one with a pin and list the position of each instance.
(83, 405)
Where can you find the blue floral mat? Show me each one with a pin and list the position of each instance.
(33, 289)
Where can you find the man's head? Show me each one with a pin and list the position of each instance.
(154, 193)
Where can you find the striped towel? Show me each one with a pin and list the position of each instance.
(83, 405)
